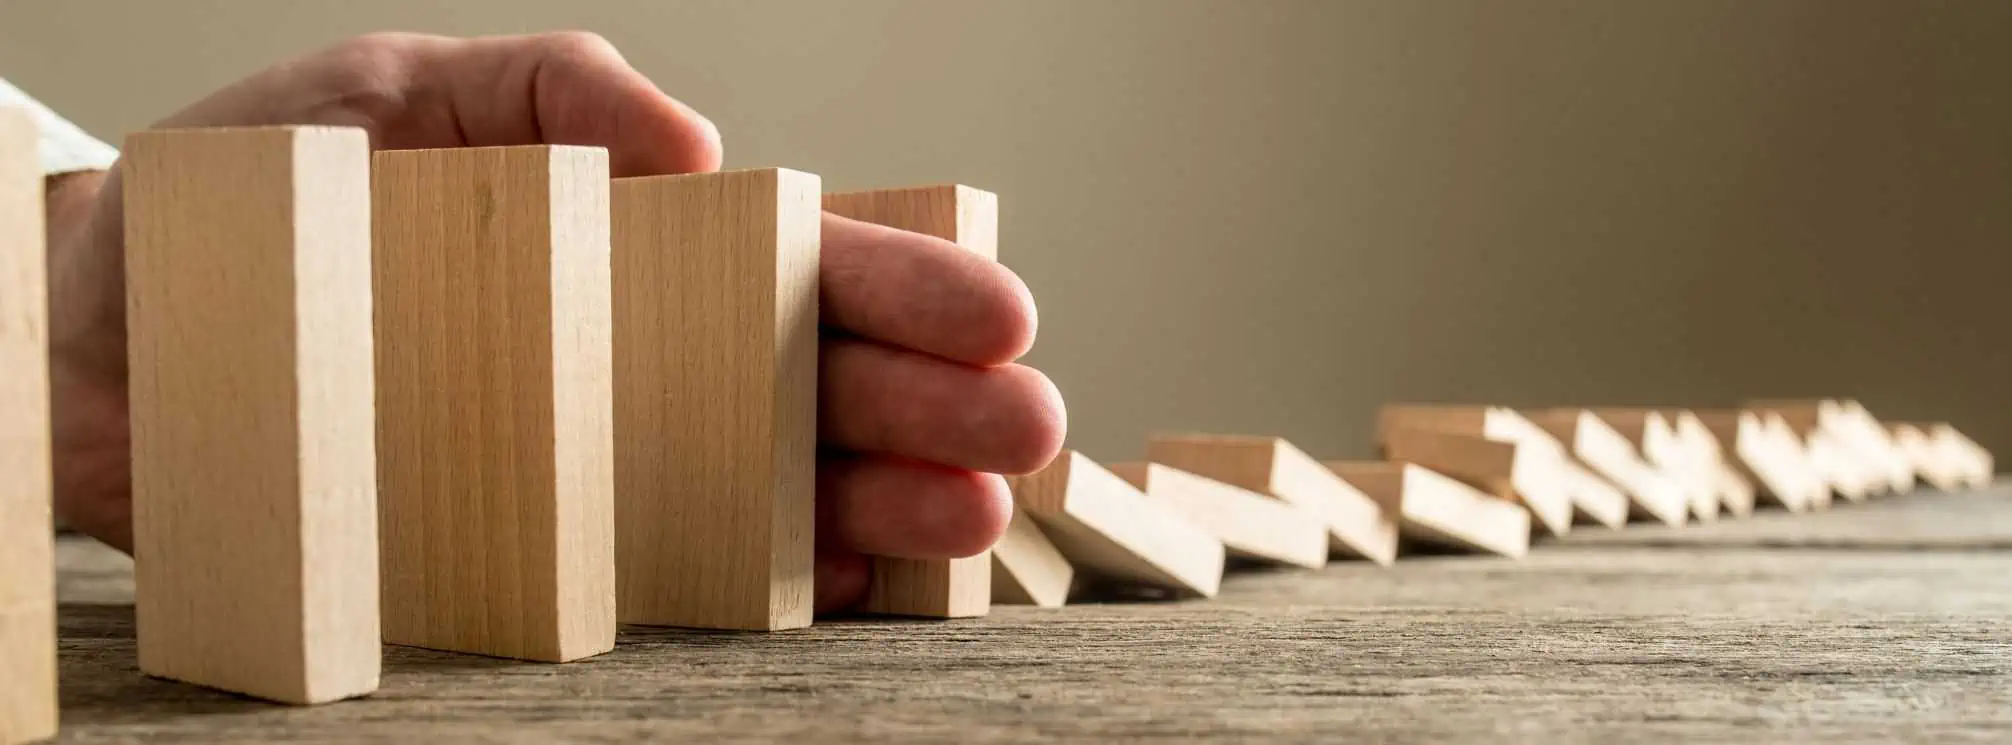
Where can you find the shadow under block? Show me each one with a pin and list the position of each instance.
(715, 348)
(1109, 529)
(252, 404)
(27, 545)
(1655, 437)
(1592, 498)
(1755, 450)
(1437, 509)
(1027, 569)
(1651, 494)
(1250, 525)
(1530, 474)
(942, 588)
(495, 400)
(1356, 526)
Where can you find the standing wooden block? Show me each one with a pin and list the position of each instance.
(1027, 569)
(1593, 498)
(1735, 492)
(1250, 525)
(1108, 528)
(1433, 508)
(252, 393)
(1356, 526)
(939, 588)
(496, 471)
(1655, 437)
(1759, 455)
(1651, 494)
(715, 348)
(27, 545)
(1530, 474)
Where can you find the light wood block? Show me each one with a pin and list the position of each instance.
(1651, 494)
(1109, 529)
(1250, 525)
(1434, 508)
(969, 217)
(715, 348)
(1838, 465)
(252, 405)
(1926, 458)
(1654, 436)
(1532, 475)
(1752, 448)
(1875, 439)
(1973, 465)
(27, 545)
(1814, 464)
(1027, 569)
(495, 375)
(1858, 459)
(1735, 492)
(1356, 526)
(1593, 500)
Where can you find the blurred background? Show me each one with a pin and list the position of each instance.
(1273, 216)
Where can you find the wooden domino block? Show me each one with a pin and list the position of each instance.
(1356, 526)
(1250, 525)
(1735, 492)
(1814, 463)
(1434, 508)
(1027, 569)
(1971, 464)
(1110, 529)
(1593, 499)
(1876, 441)
(944, 588)
(27, 547)
(1654, 436)
(1925, 457)
(1530, 474)
(1838, 465)
(1771, 465)
(715, 348)
(1854, 466)
(1651, 494)
(495, 409)
(252, 405)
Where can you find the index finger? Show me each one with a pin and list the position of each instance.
(923, 293)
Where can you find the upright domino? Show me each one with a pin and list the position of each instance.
(715, 348)
(1250, 525)
(1594, 499)
(1356, 525)
(1652, 494)
(1434, 508)
(252, 402)
(495, 400)
(1532, 474)
(1027, 569)
(937, 588)
(27, 548)
(1760, 455)
(1655, 437)
(1108, 528)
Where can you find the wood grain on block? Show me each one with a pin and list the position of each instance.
(1754, 452)
(1651, 494)
(969, 217)
(1735, 492)
(1356, 526)
(1434, 508)
(495, 375)
(1927, 460)
(1532, 475)
(1109, 529)
(27, 541)
(1027, 569)
(715, 349)
(1250, 525)
(1655, 437)
(248, 301)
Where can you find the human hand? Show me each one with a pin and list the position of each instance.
(921, 405)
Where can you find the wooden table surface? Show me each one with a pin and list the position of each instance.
(1883, 622)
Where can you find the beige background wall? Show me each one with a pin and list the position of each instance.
(1274, 215)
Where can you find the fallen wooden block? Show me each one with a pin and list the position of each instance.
(495, 400)
(1433, 508)
(1875, 439)
(1925, 457)
(1974, 466)
(1250, 525)
(1027, 569)
(1592, 500)
(1356, 526)
(1595, 500)
(1837, 465)
(1814, 463)
(1772, 465)
(1108, 528)
(1855, 466)
(1735, 492)
(27, 545)
(1651, 494)
(716, 347)
(1654, 436)
(248, 280)
(940, 588)
(1529, 474)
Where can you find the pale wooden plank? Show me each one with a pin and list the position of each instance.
(1655, 437)
(1109, 529)
(1594, 499)
(495, 400)
(1530, 474)
(1735, 492)
(1651, 494)
(1272, 466)
(28, 709)
(1434, 508)
(1027, 569)
(715, 348)
(1855, 465)
(1250, 525)
(969, 217)
(254, 489)
(1758, 455)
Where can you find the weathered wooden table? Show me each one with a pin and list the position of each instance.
(1883, 622)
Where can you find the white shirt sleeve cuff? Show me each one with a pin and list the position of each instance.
(64, 146)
